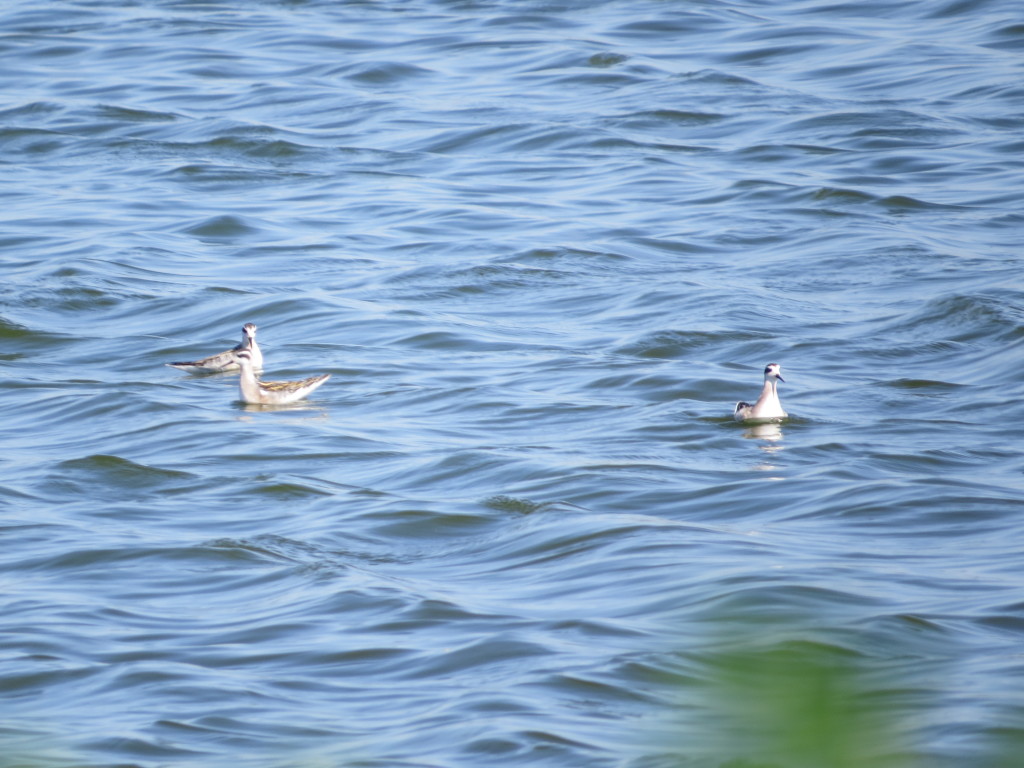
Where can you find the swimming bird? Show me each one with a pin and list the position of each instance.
(225, 361)
(767, 406)
(254, 391)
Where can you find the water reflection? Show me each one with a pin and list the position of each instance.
(304, 411)
(771, 434)
(768, 431)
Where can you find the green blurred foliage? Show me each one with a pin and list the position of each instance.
(801, 705)
(774, 695)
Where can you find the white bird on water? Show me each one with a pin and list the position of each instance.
(225, 361)
(257, 392)
(767, 407)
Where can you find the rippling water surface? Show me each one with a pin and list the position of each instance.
(542, 248)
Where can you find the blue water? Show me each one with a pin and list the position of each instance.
(542, 248)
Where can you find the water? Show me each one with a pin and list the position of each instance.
(542, 248)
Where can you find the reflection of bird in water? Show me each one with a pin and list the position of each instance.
(767, 406)
(767, 431)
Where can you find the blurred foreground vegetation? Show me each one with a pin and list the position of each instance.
(777, 701)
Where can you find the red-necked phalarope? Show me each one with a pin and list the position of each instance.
(767, 407)
(225, 361)
(252, 390)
